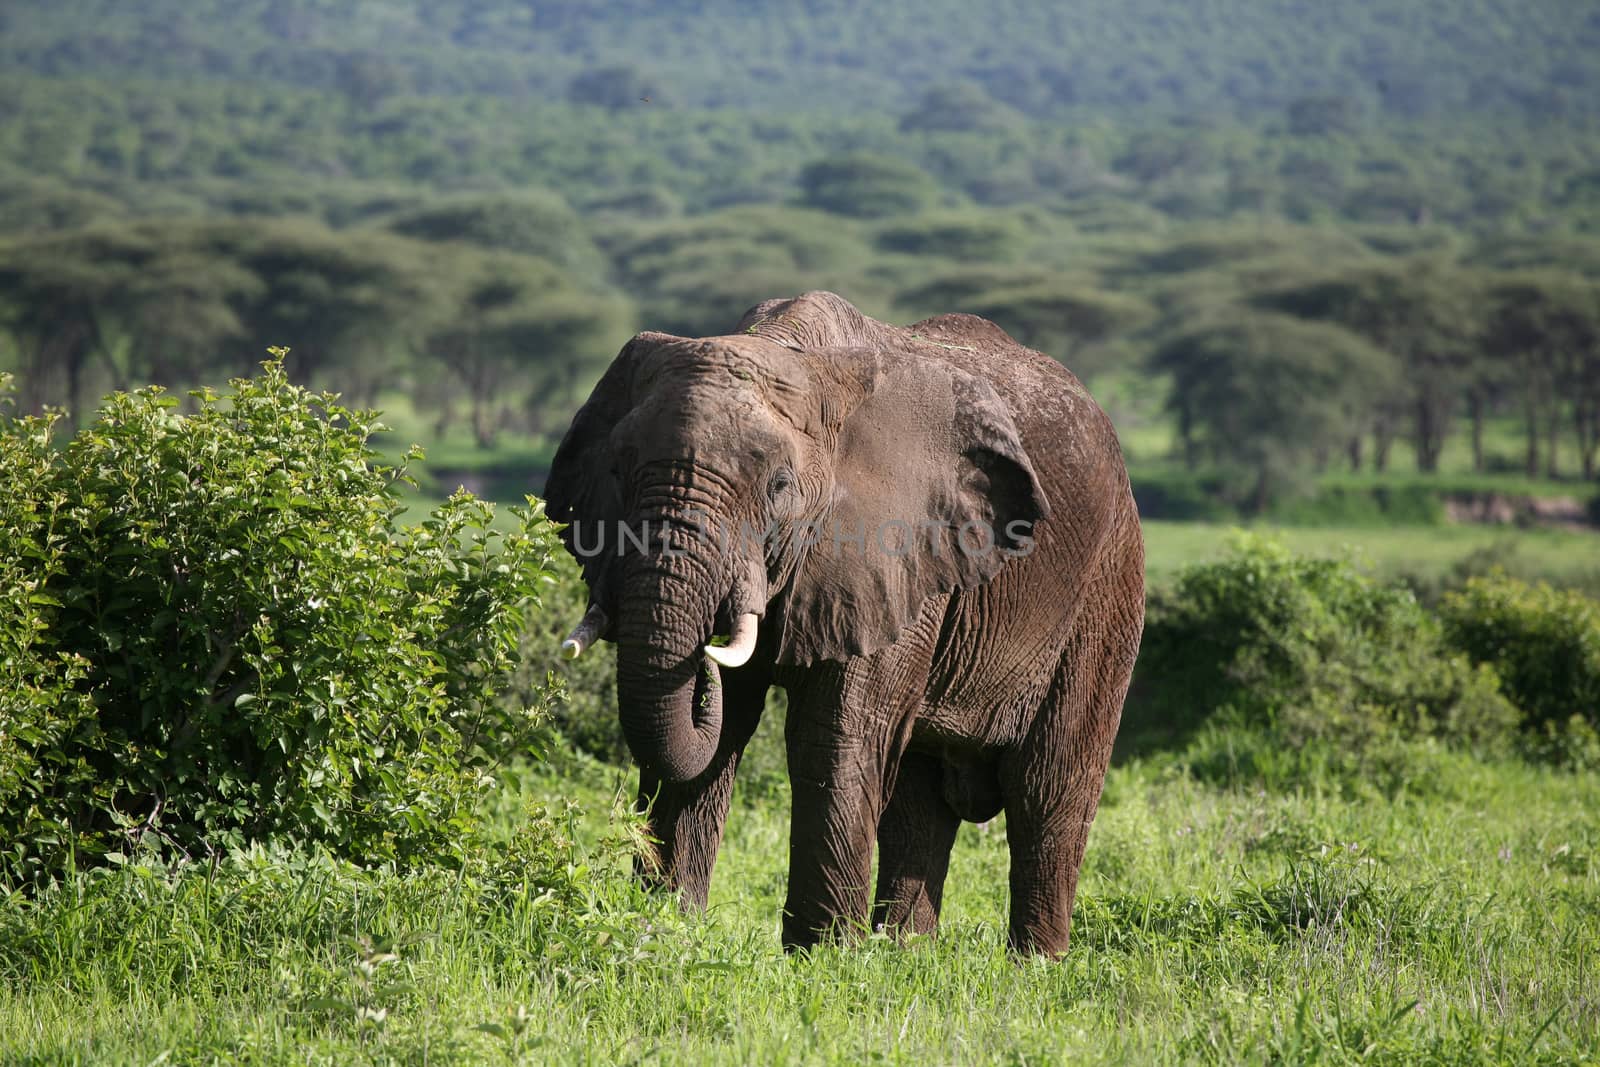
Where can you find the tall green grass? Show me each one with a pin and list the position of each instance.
(1456, 922)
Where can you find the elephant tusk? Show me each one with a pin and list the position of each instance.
(736, 653)
(592, 628)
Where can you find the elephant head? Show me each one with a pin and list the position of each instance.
(812, 474)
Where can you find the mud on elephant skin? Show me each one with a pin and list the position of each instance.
(924, 534)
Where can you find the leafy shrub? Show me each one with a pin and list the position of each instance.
(215, 630)
(1545, 645)
(43, 704)
(1308, 653)
(583, 715)
(1404, 505)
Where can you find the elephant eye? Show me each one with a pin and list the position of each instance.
(782, 479)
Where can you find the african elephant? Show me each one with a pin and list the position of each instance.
(923, 534)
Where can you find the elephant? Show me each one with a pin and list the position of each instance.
(925, 535)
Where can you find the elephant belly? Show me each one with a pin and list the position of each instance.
(1000, 644)
(972, 787)
(992, 669)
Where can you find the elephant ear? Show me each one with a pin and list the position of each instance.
(933, 492)
(581, 490)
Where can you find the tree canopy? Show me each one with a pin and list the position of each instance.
(473, 203)
(1270, 393)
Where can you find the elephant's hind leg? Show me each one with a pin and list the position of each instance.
(1052, 781)
(915, 834)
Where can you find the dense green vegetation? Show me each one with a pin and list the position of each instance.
(471, 204)
(1135, 54)
(1319, 869)
(215, 632)
(288, 774)
(1342, 827)
(1270, 378)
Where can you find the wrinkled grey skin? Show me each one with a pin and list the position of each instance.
(930, 680)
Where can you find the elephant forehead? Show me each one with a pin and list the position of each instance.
(751, 359)
(740, 376)
(703, 418)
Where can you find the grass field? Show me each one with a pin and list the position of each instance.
(1423, 552)
(1457, 923)
(1452, 918)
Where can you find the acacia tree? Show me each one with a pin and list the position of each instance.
(62, 298)
(866, 186)
(349, 305)
(1427, 313)
(530, 222)
(1545, 329)
(1267, 394)
(1067, 323)
(518, 336)
(123, 306)
(182, 317)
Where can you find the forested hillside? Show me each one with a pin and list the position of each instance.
(1235, 55)
(468, 205)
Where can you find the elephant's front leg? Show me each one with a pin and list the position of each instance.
(686, 819)
(847, 728)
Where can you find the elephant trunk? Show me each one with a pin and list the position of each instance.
(669, 693)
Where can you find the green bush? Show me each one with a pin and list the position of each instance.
(215, 630)
(1309, 654)
(43, 703)
(583, 717)
(1545, 645)
(1404, 505)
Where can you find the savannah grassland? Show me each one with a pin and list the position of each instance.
(1431, 907)
(360, 182)
(1454, 921)
(1434, 908)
